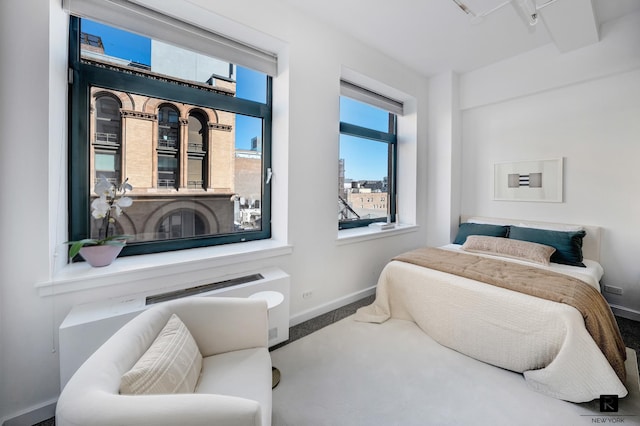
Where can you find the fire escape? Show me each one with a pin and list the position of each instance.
(345, 212)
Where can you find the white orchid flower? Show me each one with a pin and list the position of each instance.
(109, 196)
(100, 207)
(126, 186)
(122, 203)
(104, 187)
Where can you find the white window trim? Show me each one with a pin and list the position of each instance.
(129, 270)
(365, 233)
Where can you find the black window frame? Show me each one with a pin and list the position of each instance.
(391, 139)
(85, 75)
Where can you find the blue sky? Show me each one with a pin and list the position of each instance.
(250, 85)
(364, 159)
(120, 44)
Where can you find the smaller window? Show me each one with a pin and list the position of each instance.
(367, 163)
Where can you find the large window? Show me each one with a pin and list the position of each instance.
(367, 162)
(191, 133)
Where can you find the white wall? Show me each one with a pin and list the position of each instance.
(25, 206)
(33, 160)
(444, 156)
(584, 106)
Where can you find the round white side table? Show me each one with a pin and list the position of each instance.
(273, 298)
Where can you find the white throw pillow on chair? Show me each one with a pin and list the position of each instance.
(172, 363)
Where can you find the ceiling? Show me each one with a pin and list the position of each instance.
(433, 36)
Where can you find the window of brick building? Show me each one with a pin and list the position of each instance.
(168, 147)
(197, 151)
(107, 137)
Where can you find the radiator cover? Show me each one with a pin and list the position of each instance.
(89, 325)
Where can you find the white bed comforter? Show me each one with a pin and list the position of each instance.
(546, 341)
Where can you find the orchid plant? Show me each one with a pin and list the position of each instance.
(111, 201)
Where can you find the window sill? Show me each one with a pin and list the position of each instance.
(365, 233)
(81, 276)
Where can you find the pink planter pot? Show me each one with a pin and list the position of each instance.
(100, 255)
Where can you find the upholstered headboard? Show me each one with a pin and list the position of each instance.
(590, 243)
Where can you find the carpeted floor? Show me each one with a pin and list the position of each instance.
(629, 329)
(354, 373)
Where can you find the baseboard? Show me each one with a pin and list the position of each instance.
(330, 306)
(33, 415)
(627, 313)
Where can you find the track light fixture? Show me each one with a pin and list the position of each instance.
(526, 9)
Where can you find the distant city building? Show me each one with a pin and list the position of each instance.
(360, 199)
(248, 179)
(366, 200)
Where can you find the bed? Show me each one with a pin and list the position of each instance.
(567, 352)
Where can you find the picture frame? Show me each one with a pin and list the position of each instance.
(534, 180)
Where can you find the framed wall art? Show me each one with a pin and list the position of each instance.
(536, 180)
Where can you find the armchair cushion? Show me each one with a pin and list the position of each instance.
(235, 374)
(171, 365)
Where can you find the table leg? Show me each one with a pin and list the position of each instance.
(275, 377)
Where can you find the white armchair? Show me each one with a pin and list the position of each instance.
(234, 387)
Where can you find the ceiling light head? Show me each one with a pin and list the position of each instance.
(528, 11)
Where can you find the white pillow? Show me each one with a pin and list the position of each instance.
(172, 363)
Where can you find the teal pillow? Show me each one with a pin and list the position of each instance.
(466, 229)
(568, 244)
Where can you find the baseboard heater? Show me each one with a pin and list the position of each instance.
(178, 294)
(89, 325)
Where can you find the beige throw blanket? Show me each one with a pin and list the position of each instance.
(545, 340)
